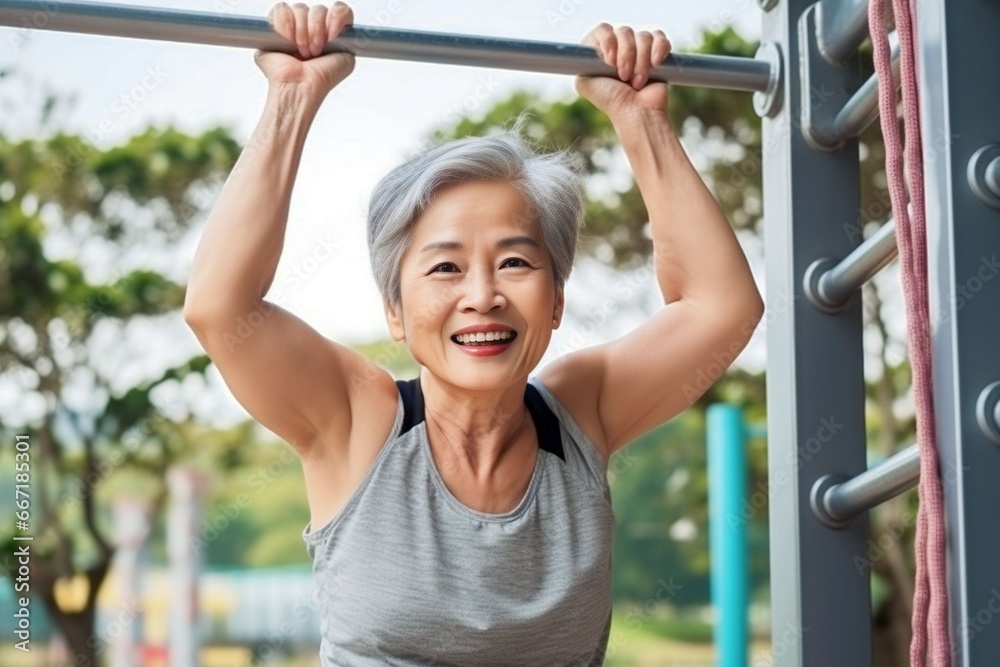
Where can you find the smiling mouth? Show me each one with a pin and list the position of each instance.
(513, 335)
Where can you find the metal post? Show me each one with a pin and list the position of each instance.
(132, 524)
(727, 472)
(186, 487)
(957, 43)
(815, 390)
(174, 25)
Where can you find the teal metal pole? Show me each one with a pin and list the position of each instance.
(728, 532)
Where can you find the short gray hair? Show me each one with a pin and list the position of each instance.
(551, 183)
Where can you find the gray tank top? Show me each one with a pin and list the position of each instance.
(406, 574)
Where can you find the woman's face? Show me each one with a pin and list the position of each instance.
(465, 278)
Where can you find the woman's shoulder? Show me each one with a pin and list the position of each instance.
(574, 384)
(332, 481)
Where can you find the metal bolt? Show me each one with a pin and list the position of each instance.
(993, 176)
(817, 502)
(768, 103)
(983, 174)
(988, 412)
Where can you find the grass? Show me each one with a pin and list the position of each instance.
(648, 640)
(637, 639)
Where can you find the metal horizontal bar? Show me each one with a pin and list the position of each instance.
(829, 284)
(862, 109)
(218, 29)
(836, 503)
(841, 27)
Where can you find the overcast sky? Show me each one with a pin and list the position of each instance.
(371, 122)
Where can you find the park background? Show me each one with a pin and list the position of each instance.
(111, 154)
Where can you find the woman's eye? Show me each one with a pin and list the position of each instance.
(449, 264)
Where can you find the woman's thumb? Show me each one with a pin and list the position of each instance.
(339, 65)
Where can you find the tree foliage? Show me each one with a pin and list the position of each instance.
(60, 199)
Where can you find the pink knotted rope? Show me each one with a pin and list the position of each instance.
(930, 645)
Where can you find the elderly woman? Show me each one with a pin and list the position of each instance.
(463, 517)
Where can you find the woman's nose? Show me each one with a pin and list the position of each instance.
(481, 291)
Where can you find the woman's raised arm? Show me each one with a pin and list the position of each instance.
(712, 305)
(236, 259)
(288, 377)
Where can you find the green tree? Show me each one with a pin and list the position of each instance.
(137, 197)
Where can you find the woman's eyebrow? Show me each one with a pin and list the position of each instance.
(508, 242)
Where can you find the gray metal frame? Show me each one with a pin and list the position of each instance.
(813, 342)
(958, 46)
(815, 388)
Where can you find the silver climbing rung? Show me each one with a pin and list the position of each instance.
(829, 284)
(841, 27)
(836, 502)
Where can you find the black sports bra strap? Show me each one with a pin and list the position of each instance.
(546, 422)
(413, 403)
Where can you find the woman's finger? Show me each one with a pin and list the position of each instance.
(607, 45)
(301, 11)
(282, 19)
(626, 52)
(643, 51)
(661, 47)
(317, 29)
(340, 15)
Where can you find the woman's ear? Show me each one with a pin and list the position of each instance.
(560, 304)
(394, 318)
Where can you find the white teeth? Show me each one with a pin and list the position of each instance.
(483, 337)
